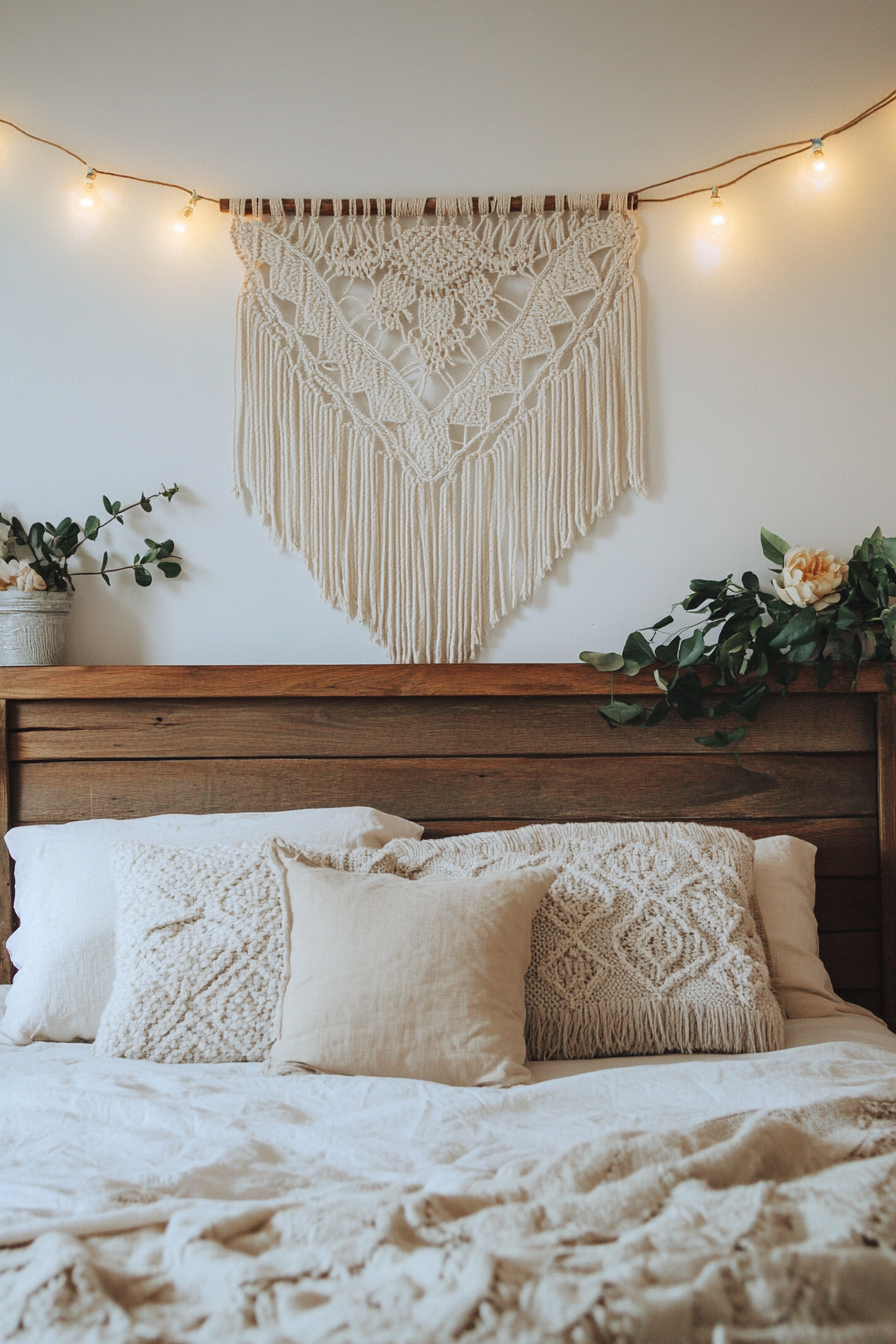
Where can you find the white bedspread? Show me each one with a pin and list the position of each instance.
(201, 1157)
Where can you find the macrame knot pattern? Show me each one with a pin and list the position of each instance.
(430, 409)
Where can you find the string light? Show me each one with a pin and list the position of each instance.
(790, 148)
(88, 189)
(180, 224)
(716, 217)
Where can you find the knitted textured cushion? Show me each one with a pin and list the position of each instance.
(648, 941)
(199, 953)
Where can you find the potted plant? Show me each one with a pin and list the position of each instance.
(36, 584)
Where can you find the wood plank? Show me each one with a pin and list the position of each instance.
(847, 846)
(872, 999)
(886, 783)
(561, 788)
(167, 683)
(845, 904)
(852, 959)
(5, 873)
(402, 726)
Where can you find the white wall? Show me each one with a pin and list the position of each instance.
(769, 376)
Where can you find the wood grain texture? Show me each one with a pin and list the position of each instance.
(847, 846)
(122, 683)
(403, 726)
(886, 775)
(550, 788)
(5, 875)
(852, 959)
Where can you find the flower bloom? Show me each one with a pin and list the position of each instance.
(810, 578)
(16, 575)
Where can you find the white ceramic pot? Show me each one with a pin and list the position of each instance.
(32, 628)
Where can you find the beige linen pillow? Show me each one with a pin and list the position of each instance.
(649, 941)
(784, 872)
(407, 979)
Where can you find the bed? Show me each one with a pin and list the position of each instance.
(717, 1198)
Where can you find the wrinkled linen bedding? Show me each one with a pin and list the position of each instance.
(753, 1196)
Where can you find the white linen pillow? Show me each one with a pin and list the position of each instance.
(65, 900)
(408, 979)
(784, 876)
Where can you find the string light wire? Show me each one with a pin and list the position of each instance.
(792, 147)
(102, 172)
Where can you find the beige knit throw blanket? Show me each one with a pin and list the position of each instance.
(431, 410)
(649, 941)
(759, 1228)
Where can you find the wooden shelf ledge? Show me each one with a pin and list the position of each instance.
(458, 679)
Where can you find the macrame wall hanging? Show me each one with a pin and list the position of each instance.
(432, 409)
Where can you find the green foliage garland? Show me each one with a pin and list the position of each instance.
(748, 636)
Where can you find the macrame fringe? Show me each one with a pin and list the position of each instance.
(430, 566)
(653, 1027)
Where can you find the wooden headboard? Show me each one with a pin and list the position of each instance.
(464, 748)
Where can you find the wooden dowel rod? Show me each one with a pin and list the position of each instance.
(326, 206)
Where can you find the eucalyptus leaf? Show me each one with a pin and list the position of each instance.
(799, 629)
(637, 650)
(691, 649)
(619, 712)
(604, 662)
(660, 711)
(142, 576)
(773, 548)
(668, 653)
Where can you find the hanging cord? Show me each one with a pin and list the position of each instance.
(793, 146)
(103, 172)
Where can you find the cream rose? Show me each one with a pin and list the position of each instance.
(810, 578)
(18, 576)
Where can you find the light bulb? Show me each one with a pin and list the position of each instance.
(715, 216)
(88, 189)
(180, 224)
(818, 160)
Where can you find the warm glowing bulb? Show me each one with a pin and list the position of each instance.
(89, 186)
(818, 159)
(180, 223)
(716, 217)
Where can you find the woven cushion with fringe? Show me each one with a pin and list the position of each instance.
(649, 941)
(431, 410)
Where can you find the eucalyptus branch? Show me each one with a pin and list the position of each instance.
(53, 547)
